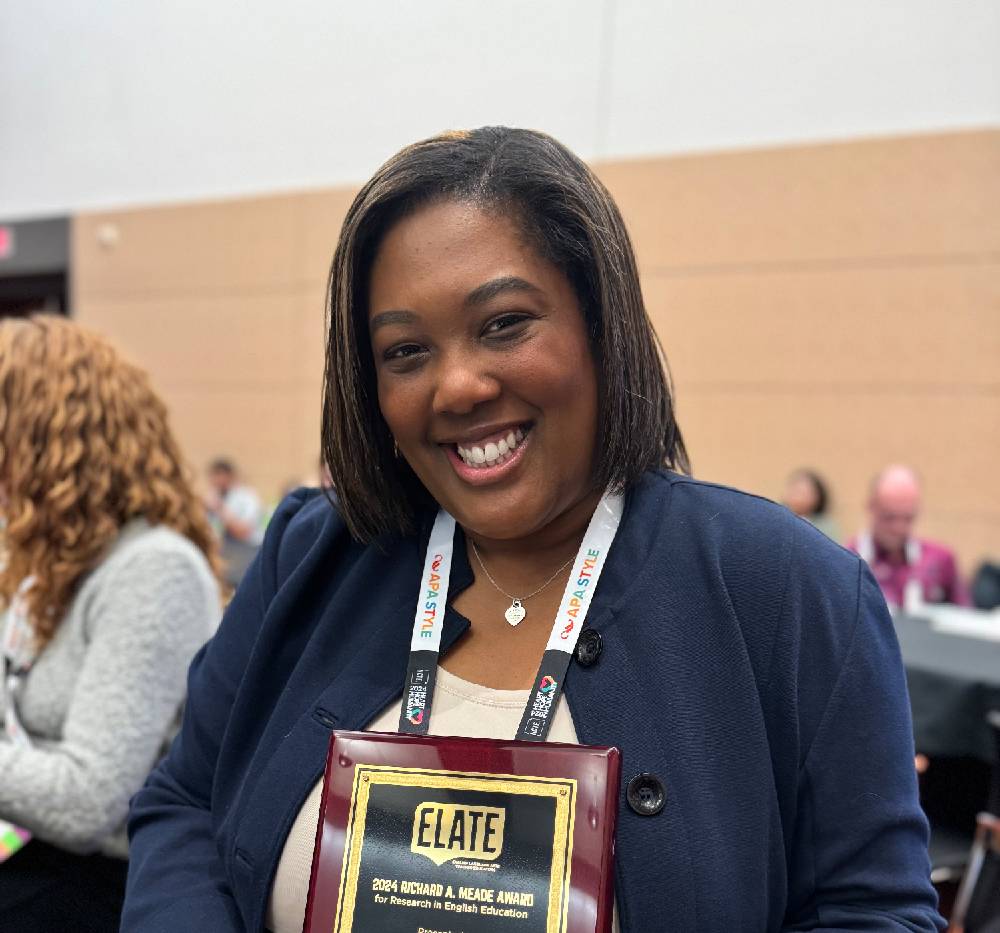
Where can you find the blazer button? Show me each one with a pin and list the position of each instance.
(588, 647)
(646, 794)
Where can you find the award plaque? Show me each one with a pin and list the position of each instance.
(457, 835)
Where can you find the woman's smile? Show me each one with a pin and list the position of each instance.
(490, 458)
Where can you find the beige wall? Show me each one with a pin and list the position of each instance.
(223, 302)
(834, 306)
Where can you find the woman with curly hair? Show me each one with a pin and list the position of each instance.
(108, 585)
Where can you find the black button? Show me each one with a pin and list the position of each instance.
(589, 647)
(646, 794)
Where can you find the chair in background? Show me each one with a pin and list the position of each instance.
(993, 718)
(977, 903)
(986, 586)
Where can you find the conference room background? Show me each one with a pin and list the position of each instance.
(813, 193)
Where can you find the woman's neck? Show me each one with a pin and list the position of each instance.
(515, 562)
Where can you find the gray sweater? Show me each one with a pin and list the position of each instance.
(101, 701)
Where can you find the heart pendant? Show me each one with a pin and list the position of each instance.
(515, 612)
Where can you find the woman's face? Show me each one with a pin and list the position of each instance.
(485, 374)
(800, 495)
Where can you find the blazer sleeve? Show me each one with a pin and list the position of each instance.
(860, 861)
(177, 878)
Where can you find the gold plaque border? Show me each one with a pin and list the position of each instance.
(435, 779)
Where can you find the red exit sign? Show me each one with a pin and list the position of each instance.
(6, 242)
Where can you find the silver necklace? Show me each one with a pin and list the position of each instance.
(515, 611)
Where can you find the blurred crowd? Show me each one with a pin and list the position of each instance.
(911, 570)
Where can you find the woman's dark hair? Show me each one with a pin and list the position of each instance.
(571, 220)
(819, 487)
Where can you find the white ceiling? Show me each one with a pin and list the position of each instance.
(130, 101)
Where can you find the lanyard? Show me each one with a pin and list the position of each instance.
(425, 643)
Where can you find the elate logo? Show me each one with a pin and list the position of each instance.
(547, 684)
(446, 831)
(416, 716)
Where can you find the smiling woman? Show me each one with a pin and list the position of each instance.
(499, 230)
(495, 347)
(498, 417)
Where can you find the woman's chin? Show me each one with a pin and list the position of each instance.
(518, 513)
(497, 524)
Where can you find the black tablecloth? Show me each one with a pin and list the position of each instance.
(954, 681)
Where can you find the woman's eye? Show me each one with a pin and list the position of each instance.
(403, 351)
(506, 325)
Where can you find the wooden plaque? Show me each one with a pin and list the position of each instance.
(474, 835)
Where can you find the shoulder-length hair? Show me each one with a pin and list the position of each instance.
(570, 218)
(85, 446)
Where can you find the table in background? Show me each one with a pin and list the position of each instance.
(954, 681)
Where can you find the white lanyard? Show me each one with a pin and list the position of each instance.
(428, 623)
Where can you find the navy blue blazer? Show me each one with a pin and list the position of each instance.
(748, 662)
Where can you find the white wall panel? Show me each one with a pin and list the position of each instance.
(690, 75)
(115, 103)
(121, 102)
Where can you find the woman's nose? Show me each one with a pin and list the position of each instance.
(462, 384)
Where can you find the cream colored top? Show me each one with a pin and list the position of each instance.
(459, 708)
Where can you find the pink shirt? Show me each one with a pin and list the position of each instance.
(929, 565)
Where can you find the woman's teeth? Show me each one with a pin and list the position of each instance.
(491, 454)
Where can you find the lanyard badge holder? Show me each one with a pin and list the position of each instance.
(483, 835)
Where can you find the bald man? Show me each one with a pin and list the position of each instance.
(909, 570)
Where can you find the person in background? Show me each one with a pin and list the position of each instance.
(238, 517)
(108, 586)
(807, 496)
(234, 508)
(910, 570)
